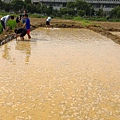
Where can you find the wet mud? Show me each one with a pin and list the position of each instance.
(60, 74)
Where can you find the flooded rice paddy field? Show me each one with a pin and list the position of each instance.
(61, 74)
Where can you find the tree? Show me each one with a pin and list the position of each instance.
(17, 5)
(100, 12)
(55, 13)
(63, 11)
(7, 7)
(28, 1)
(1, 5)
(115, 13)
(81, 12)
(31, 8)
(49, 10)
(44, 9)
(82, 5)
(70, 5)
(71, 8)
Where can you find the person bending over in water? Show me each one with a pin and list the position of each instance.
(21, 32)
(4, 21)
(48, 22)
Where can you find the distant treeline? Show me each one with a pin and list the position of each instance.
(72, 9)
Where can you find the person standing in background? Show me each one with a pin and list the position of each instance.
(18, 21)
(22, 16)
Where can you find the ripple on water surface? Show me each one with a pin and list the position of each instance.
(61, 74)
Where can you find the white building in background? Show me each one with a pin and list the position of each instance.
(6, 0)
(57, 4)
(106, 5)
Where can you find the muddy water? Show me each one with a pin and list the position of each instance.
(61, 74)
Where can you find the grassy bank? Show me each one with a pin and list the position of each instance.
(82, 21)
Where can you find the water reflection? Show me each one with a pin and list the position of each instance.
(6, 50)
(25, 47)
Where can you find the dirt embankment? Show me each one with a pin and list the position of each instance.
(104, 28)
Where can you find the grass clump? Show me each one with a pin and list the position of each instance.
(83, 21)
(11, 24)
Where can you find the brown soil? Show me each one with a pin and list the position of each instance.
(104, 28)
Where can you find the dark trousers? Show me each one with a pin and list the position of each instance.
(3, 24)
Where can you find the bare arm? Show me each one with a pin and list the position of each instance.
(24, 25)
(17, 35)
